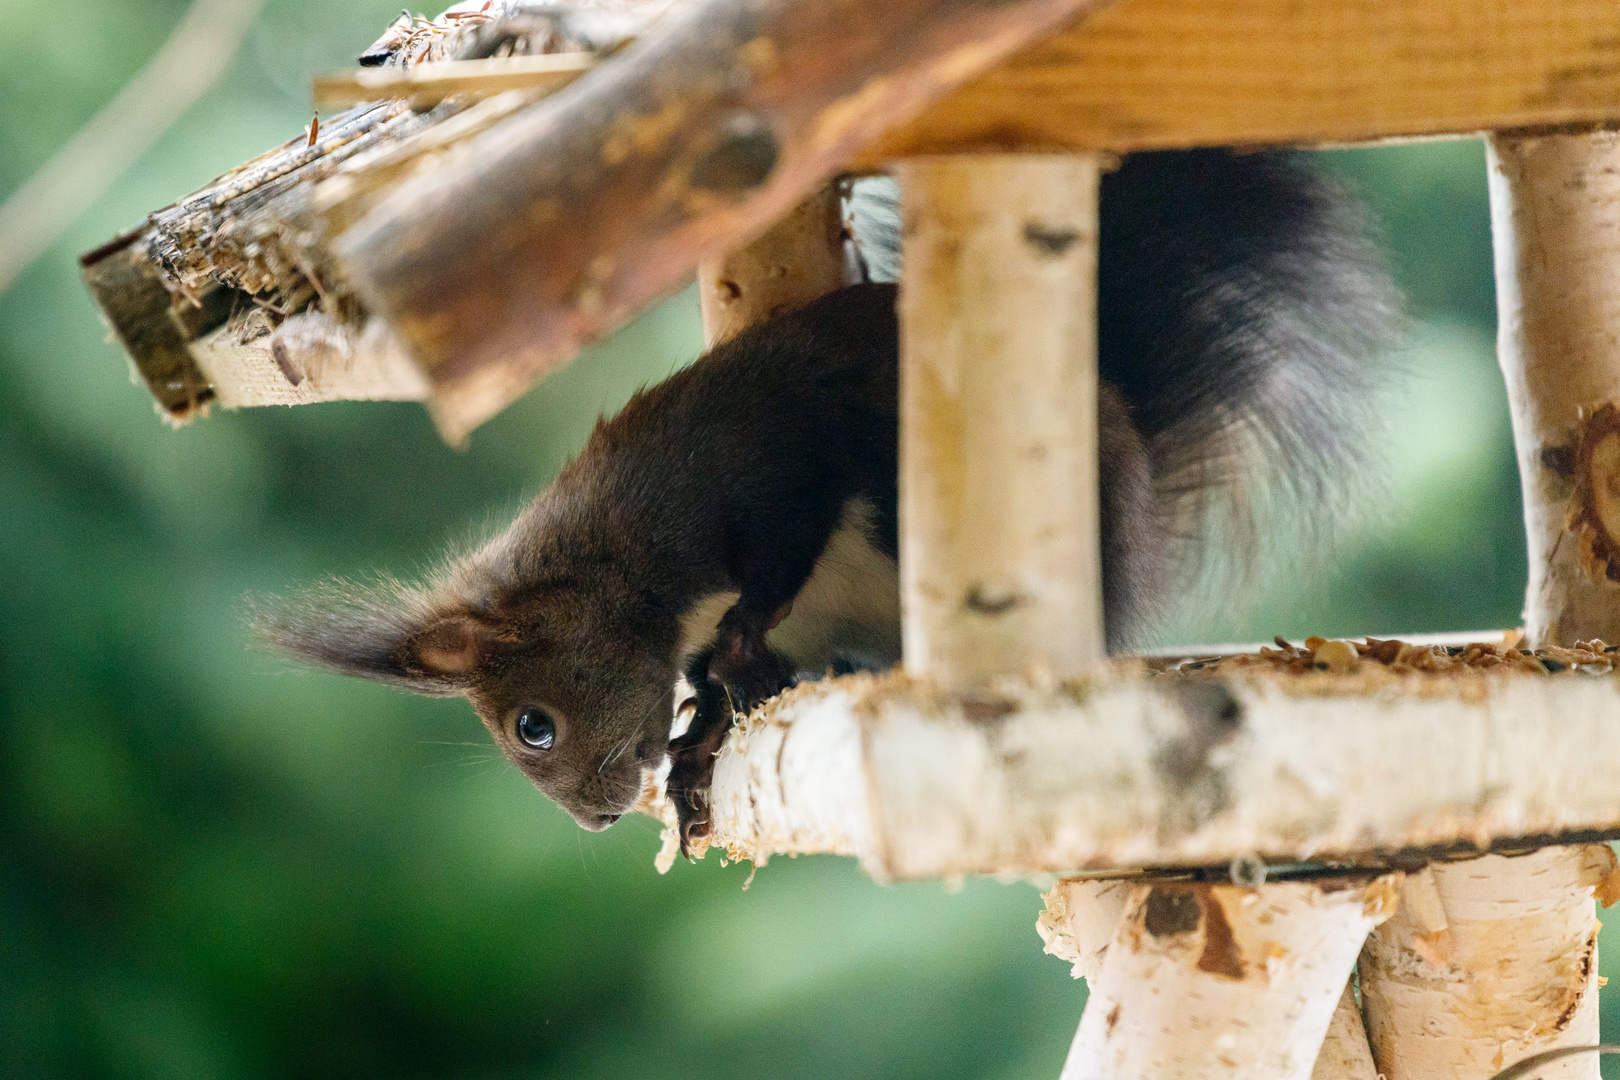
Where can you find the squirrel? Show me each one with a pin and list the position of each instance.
(735, 525)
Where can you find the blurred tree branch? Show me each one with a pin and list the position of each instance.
(87, 165)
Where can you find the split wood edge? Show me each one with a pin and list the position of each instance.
(426, 85)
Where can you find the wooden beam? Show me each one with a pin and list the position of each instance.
(1555, 217)
(1150, 74)
(1000, 560)
(561, 223)
(1171, 770)
(1139, 74)
(141, 314)
(428, 84)
(795, 261)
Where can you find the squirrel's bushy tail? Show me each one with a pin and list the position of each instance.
(1247, 318)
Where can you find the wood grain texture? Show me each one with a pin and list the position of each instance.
(140, 313)
(566, 220)
(1146, 74)
(306, 359)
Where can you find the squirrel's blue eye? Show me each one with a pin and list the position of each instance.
(536, 729)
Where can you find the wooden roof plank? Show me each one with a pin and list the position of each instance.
(1152, 74)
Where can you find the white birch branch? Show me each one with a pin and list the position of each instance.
(1217, 981)
(1000, 560)
(1493, 960)
(1345, 1053)
(1555, 222)
(1177, 770)
(1487, 962)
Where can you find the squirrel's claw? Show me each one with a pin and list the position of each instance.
(730, 679)
(691, 768)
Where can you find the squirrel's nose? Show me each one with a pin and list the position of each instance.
(599, 822)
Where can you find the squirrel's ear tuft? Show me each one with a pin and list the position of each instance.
(390, 634)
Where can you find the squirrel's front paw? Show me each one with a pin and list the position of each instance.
(751, 675)
(691, 764)
(728, 680)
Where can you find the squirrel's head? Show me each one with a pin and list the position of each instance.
(573, 676)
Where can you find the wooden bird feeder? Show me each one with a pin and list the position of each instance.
(1234, 836)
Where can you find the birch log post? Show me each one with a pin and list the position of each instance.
(1487, 962)
(1000, 560)
(1495, 960)
(1219, 981)
(562, 222)
(1555, 217)
(1345, 1053)
(1169, 770)
(795, 261)
(1081, 917)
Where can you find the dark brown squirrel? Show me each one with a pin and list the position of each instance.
(734, 526)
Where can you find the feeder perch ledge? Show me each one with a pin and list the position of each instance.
(1133, 769)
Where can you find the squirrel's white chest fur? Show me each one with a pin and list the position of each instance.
(849, 609)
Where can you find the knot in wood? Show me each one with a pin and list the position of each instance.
(742, 160)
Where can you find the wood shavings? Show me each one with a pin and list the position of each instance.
(1397, 657)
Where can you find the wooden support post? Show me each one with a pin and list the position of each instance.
(1555, 216)
(999, 554)
(1487, 962)
(797, 260)
(1212, 981)
(1345, 1053)
(1493, 960)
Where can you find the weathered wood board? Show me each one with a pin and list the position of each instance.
(1151, 74)
(1133, 75)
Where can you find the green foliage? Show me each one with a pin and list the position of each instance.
(214, 866)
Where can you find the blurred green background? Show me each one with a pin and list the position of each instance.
(214, 866)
